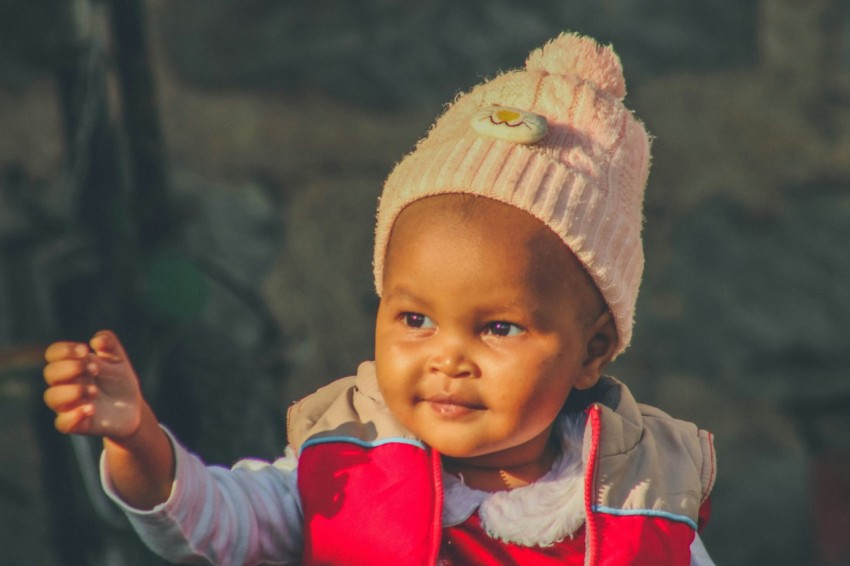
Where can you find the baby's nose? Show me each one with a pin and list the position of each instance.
(452, 358)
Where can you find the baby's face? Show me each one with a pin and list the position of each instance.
(486, 323)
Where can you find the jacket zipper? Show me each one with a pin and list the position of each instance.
(592, 542)
(437, 526)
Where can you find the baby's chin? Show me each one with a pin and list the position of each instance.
(463, 436)
(450, 446)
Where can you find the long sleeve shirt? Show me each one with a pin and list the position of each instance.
(251, 513)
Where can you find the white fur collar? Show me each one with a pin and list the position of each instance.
(541, 514)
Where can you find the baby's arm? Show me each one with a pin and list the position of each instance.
(247, 515)
(182, 509)
(94, 391)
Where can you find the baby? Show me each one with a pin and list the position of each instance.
(508, 258)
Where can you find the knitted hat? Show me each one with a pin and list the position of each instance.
(555, 140)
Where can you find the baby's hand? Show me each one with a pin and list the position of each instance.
(94, 391)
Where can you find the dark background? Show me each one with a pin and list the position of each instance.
(202, 175)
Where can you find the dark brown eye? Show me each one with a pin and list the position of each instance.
(416, 320)
(503, 328)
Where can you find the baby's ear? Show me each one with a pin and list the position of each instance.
(600, 347)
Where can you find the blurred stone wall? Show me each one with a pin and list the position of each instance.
(282, 119)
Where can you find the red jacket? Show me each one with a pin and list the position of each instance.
(372, 494)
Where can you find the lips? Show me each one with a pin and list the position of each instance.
(452, 406)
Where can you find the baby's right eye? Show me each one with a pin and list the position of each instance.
(416, 320)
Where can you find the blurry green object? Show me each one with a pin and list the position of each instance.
(175, 289)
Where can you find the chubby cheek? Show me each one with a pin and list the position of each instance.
(534, 374)
(396, 399)
(398, 361)
(397, 379)
(538, 400)
(399, 399)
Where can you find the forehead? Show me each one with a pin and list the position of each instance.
(466, 219)
(484, 232)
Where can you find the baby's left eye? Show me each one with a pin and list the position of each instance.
(502, 328)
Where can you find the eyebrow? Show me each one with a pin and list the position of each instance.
(403, 294)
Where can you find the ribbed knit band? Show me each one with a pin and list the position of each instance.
(585, 179)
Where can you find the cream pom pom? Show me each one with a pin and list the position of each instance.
(572, 54)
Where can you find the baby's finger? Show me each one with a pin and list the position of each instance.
(64, 397)
(75, 421)
(66, 370)
(107, 346)
(65, 350)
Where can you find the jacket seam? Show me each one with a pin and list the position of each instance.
(645, 513)
(437, 525)
(591, 540)
(361, 443)
(713, 468)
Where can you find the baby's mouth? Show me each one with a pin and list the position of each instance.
(452, 406)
